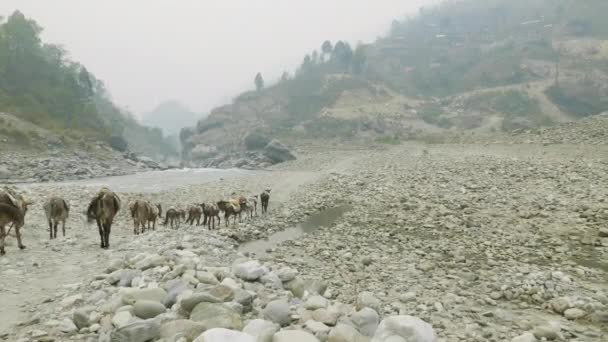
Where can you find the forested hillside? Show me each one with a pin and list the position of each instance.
(461, 65)
(39, 84)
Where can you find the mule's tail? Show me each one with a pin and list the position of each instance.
(166, 220)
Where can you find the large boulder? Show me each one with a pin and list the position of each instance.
(404, 328)
(214, 294)
(215, 315)
(277, 152)
(224, 335)
(130, 296)
(345, 333)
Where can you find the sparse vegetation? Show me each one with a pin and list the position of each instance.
(579, 99)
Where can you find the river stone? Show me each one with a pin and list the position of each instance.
(159, 295)
(206, 278)
(174, 288)
(249, 270)
(345, 333)
(548, 331)
(294, 336)
(367, 300)
(224, 335)
(287, 274)
(527, 337)
(261, 329)
(316, 302)
(126, 277)
(68, 327)
(216, 294)
(172, 330)
(271, 280)
(122, 318)
(317, 328)
(215, 315)
(603, 232)
(560, 305)
(366, 320)
(148, 309)
(404, 328)
(141, 331)
(81, 319)
(244, 297)
(300, 288)
(327, 316)
(151, 262)
(574, 313)
(278, 312)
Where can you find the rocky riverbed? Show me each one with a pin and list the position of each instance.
(439, 243)
(60, 165)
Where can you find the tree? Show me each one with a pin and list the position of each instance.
(315, 57)
(285, 77)
(326, 49)
(343, 54)
(259, 82)
(359, 59)
(306, 64)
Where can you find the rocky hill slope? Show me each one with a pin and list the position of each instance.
(493, 66)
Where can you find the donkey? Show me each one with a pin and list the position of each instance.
(56, 210)
(210, 212)
(11, 198)
(102, 209)
(194, 213)
(248, 206)
(153, 214)
(140, 212)
(10, 214)
(265, 198)
(230, 208)
(172, 217)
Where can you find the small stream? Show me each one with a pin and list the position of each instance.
(323, 218)
(157, 181)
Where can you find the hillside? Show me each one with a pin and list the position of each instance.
(41, 86)
(482, 66)
(170, 117)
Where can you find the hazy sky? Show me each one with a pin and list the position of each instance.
(200, 52)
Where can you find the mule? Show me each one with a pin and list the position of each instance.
(102, 209)
(172, 217)
(153, 214)
(57, 211)
(13, 215)
(265, 198)
(230, 208)
(10, 197)
(210, 213)
(194, 213)
(140, 213)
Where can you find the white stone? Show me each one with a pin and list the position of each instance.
(249, 270)
(224, 335)
(407, 328)
(294, 336)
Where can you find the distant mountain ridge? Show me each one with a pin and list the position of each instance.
(170, 116)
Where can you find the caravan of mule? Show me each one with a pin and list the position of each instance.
(105, 206)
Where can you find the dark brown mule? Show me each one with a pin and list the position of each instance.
(172, 217)
(10, 197)
(265, 198)
(10, 214)
(102, 209)
(230, 208)
(140, 213)
(194, 213)
(56, 210)
(210, 213)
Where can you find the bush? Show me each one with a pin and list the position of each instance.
(118, 143)
(580, 100)
(256, 141)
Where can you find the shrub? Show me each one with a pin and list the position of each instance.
(118, 143)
